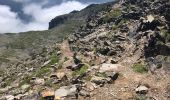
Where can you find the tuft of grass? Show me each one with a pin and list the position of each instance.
(48, 83)
(43, 71)
(101, 74)
(141, 97)
(88, 78)
(8, 81)
(81, 71)
(54, 59)
(140, 68)
(112, 14)
(26, 80)
(66, 59)
(115, 13)
(115, 26)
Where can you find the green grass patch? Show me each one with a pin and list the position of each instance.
(116, 26)
(140, 68)
(115, 13)
(25, 80)
(48, 83)
(8, 81)
(81, 71)
(54, 59)
(112, 14)
(101, 74)
(42, 71)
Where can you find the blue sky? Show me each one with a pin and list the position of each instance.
(27, 15)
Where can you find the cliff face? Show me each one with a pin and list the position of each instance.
(114, 51)
(80, 16)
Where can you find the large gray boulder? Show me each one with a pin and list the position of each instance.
(66, 91)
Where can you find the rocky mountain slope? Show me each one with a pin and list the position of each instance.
(114, 51)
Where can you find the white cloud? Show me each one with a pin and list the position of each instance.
(44, 15)
(21, 1)
(10, 22)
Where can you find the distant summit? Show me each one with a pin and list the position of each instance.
(80, 16)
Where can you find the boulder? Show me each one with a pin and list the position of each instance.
(109, 67)
(149, 23)
(25, 87)
(112, 75)
(3, 90)
(48, 94)
(90, 86)
(46, 63)
(9, 97)
(98, 80)
(141, 89)
(61, 75)
(58, 75)
(39, 81)
(75, 67)
(66, 91)
(33, 96)
(84, 93)
(150, 18)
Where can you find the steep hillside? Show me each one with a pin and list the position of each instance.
(115, 51)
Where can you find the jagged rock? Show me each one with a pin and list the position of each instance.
(141, 90)
(3, 90)
(32, 96)
(48, 94)
(84, 93)
(150, 19)
(90, 86)
(149, 24)
(46, 63)
(18, 90)
(19, 96)
(110, 67)
(61, 75)
(75, 67)
(133, 15)
(66, 91)
(39, 81)
(8, 97)
(98, 80)
(112, 75)
(25, 87)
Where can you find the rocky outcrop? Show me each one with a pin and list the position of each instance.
(80, 17)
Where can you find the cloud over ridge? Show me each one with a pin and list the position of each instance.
(40, 16)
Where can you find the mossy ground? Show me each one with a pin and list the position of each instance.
(140, 68)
